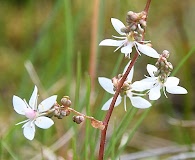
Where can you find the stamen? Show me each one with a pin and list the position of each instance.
(164, 92)
(35, 107)
(119, 46)
(137, 49)
(22, 122)
(125, 103)
(138, 94)
(118, 37)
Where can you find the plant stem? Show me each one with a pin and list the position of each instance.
(146, 9)
(109, 113)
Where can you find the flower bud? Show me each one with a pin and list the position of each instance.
(165, 54)
(157, 64)
(143, 15)
(57, 112)
(140, 28)
(162, 64)
(130, 13)
(78, 119)
(133, 27)
(125, 29)
(131, 17)
(66, 101)
(63, 113)
(115, 81)
(156, 74)
(170, 66)
(142, 22)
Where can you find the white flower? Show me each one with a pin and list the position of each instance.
(127, 42)
(135, 99)
(36, 115)
(154, 85)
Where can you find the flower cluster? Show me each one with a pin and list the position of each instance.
(159, 78)
(127, 90)
(40, 115)
(159, 74)
(132, 38)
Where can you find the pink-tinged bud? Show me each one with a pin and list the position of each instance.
(29, 113)
(134, 17)
(66, 101)
(143, 15)
(142, 22)
(78, 119)
(165, 54)
(133, 27)
(115, 81)
(130, 13)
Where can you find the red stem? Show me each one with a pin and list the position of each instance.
(147, 6)
(109, 113)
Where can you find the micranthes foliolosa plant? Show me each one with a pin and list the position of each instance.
(121, 86)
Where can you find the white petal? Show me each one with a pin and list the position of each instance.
(130, 75)
(19, 105)
(154, 93)
(106, 84)
(111, 42)
(127, 49)
(47, 104)
(33, 99)
(118, 100)
(147, 50)
(44, 122)
(140, 102)
(172, 81)
(29, 130)
(142, 85)
(118, 25)
(151, 69)
(150, 79)
(176, 90)
(106, 106)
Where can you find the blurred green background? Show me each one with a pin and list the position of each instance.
(55, 36)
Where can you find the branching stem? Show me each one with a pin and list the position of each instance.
(109, 113)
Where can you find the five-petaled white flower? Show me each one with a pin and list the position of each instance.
(36, 115)
(135, 98)
(128, 42)
(154, 85)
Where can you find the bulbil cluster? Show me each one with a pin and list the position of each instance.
(158, 75)
(62, 110)
(125, 87)
(136, 24)
(159, 78)
(164, 68)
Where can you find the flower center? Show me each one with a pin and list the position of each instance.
(126, 85)
(130, 37)
(29, 113)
